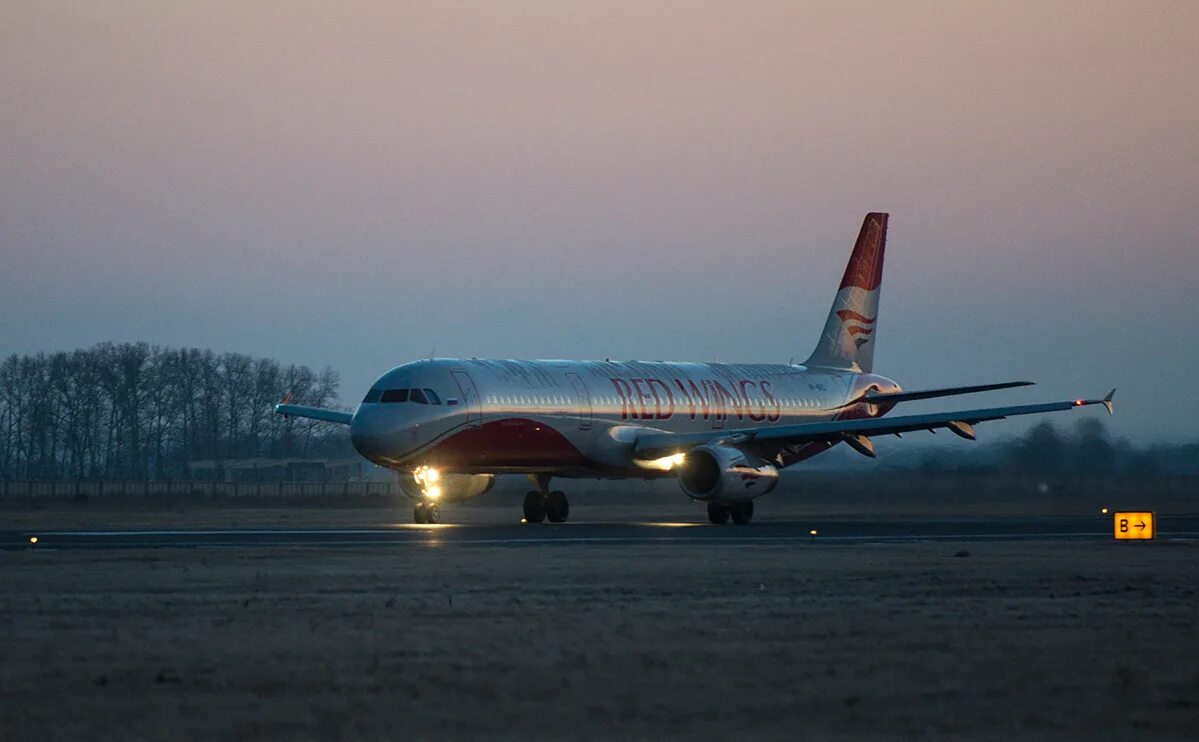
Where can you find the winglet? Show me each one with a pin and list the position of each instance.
(1106, 402)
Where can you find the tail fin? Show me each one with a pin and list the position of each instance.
(849, 334)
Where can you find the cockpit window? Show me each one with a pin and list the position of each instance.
(390, 396)
(395, 395)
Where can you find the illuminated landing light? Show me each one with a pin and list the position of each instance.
(426, 478)
(33, 539)
(666, 463)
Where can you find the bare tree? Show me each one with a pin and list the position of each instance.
(131, 411)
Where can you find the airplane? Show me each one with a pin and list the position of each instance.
(450, 426)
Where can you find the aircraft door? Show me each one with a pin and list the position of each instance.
(720, 406)
(470, 397)
(582, 400)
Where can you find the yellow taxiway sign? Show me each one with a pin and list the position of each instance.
(1132, 525)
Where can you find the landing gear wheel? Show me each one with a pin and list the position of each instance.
(718, 513)
(743, 512)
(432, 512)
(419, 514)
(557, 508)
(534, 507)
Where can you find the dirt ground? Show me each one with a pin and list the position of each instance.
(1036, 639)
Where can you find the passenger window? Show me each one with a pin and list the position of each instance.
(432, 397)
(373, 396)
(395, 395)
(418, 396)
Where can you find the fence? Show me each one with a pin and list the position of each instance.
(249, 490)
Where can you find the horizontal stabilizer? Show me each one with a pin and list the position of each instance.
(315, 413)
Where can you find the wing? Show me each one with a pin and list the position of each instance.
(315, 413)
(876, 397)
(854, 432)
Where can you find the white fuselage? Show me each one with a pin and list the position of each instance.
(580, 418)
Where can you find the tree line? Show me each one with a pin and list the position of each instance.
(1045, 450)
(139, 411)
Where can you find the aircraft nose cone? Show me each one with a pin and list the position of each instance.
(368, 435)
(367, 444)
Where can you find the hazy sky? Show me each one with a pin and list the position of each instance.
(355, 184)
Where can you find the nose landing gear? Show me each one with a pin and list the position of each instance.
(426, 512)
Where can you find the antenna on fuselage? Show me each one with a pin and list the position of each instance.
(433, 352)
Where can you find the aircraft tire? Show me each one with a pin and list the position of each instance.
(534, 507)
(557, 507)
(418, 514)
(432, 512)
(743, 512)
(718, 513)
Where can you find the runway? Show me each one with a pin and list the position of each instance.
(812, 532)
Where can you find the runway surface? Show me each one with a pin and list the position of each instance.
(602, 533)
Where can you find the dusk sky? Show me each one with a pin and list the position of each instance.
(355, 185)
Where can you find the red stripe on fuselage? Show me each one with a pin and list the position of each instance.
(511, 442)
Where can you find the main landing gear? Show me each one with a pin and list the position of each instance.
(741, 512)
(426, 511)
(545, 504)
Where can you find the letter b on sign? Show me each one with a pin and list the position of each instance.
(1133, 526)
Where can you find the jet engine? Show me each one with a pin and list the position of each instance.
(443, 487)
(725, 474)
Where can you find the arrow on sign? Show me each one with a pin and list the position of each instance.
(1141, 525)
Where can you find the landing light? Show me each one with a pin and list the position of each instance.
(426, 478)
(666, 463)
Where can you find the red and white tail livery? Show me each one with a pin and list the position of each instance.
(850, 330)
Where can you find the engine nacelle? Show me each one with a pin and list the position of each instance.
(725, 474)
(444, 487)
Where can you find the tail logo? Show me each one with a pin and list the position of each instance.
(856, 324)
